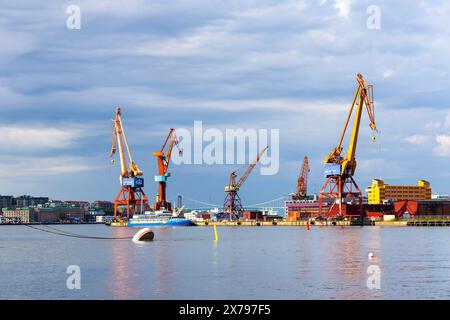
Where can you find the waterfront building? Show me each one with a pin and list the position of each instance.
(27, 201)
(77, 203)
(379, 192)
(59, 214)
(19, 215)
(412, 208)
(6, 201)
(104, 205)
(94, 215)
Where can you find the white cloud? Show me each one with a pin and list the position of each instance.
(443, 148)
(25, 137)
(418, 139)
(343, 7)
(433, 125)
(388, 73)
(38, 166)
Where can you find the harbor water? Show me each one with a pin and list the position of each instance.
(245, 263)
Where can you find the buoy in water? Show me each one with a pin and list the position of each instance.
(144, 235)
(371, 255)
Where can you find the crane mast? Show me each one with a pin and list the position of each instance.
(302, 182)
(131, 194)
(232, 207)
(163, 160)
(340, 164)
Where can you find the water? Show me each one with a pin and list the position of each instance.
(246, 263)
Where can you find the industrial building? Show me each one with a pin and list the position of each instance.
(379, 192)
(415, 209)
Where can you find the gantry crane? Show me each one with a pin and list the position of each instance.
(131, 194)
(302, 182)
(232, 208)
(340, 164)
(163, 165)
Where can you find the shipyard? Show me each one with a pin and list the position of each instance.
(217, 157)
(339, 202)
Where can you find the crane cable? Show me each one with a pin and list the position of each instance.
(74, 235)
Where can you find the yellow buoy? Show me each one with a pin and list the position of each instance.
(216, 234)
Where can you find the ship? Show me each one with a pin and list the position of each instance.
(159, 219)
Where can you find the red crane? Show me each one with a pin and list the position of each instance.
(163, 165)
(302, 182)
(131, 194)
(232, 207)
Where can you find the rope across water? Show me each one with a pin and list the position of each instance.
(74, 235)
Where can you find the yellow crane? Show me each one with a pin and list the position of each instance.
(131, 194)
(340, 163)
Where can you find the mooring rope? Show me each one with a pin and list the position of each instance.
(74, 235)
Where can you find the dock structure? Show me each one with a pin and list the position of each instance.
(275, 223)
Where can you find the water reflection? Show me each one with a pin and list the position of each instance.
(259, 263)
(122, 277)
(163, 264)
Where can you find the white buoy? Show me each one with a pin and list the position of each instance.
(144, 235)
(371, 255)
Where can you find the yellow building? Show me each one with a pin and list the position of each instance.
(379, 191)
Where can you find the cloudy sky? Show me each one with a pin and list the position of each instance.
(288, 65)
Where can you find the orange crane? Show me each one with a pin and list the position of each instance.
(302, 182)
(232, 207)
(340, 164)
(131, 194)
(163, 165)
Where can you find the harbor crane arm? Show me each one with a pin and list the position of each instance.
(302, 182)
(363, 96)
(164, 159)
(250, 168)
(119, 137)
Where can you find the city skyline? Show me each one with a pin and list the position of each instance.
(288, 65)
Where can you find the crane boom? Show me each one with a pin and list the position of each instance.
(232, 207)
(250, 168)
(119, 137)
(302, 182)
(363, 96)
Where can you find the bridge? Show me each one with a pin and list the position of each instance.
(276, 204)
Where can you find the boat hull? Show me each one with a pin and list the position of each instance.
(160, 223)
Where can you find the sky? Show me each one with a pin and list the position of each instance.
(287, 65)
